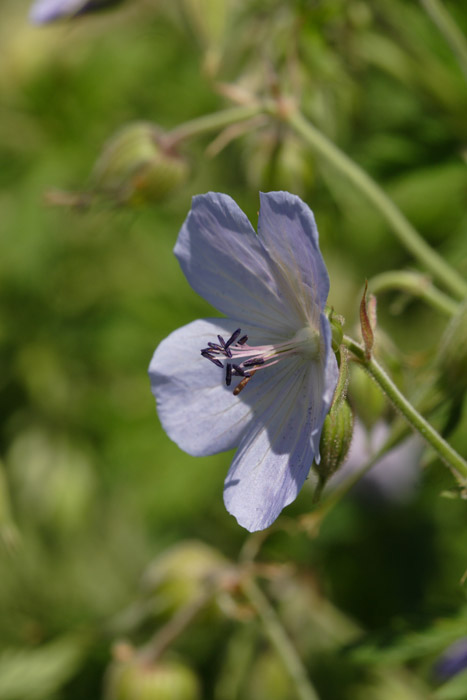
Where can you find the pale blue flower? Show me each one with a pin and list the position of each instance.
(394, 478)
(263, 378)
(44, 11)
(452, 661)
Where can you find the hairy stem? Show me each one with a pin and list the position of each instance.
(403, 229)
(417, 285)
(212, 122)
(447, 453)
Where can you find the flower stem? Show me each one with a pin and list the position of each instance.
(212, 122)
(403, 229)
(449, 29)
(447, 453)
(416, 284)
(280, 640)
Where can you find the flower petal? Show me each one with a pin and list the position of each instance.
(195, 407)
(44, 11)
(49, 10)
(287, 229)
(224, 262)
(277, 450)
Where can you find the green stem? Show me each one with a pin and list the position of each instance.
(403, 229)
(442, 448)
(449, 29)
(416, 284)
(212, 122)
(280, 640)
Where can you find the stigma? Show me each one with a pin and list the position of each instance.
(238, 359)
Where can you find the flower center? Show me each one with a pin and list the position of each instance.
(239, 359)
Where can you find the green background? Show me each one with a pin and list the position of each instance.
(91, 489)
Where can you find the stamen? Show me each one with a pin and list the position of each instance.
(224, 346)
(242, 384)
(214, 346)
(240, 372)
(254, 361)
(232, 338)
(306, 342)
(228, 374)
(206, 354)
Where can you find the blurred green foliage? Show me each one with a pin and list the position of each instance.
(91, 490)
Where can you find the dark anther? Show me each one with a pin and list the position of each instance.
(254, 361)
(214, 346)
(228, 374)
(239, 371)
(224, 347)
(242, 340)
(206, 354)
(232, 338)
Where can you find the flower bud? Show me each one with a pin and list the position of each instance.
(335, 440)
(452, 355)
(180, 574)
(163, 680)
(337, 428)
(136, 167)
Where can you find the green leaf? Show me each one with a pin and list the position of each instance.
(38, 673)
(403, 647)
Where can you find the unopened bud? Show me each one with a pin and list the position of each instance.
(335, 440)
(135, 166)
(452, 355)
(337, 428)
(167, 680)
(45, 11)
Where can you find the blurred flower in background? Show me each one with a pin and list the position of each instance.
(44, 11)
(394, 477)
(452, 661)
